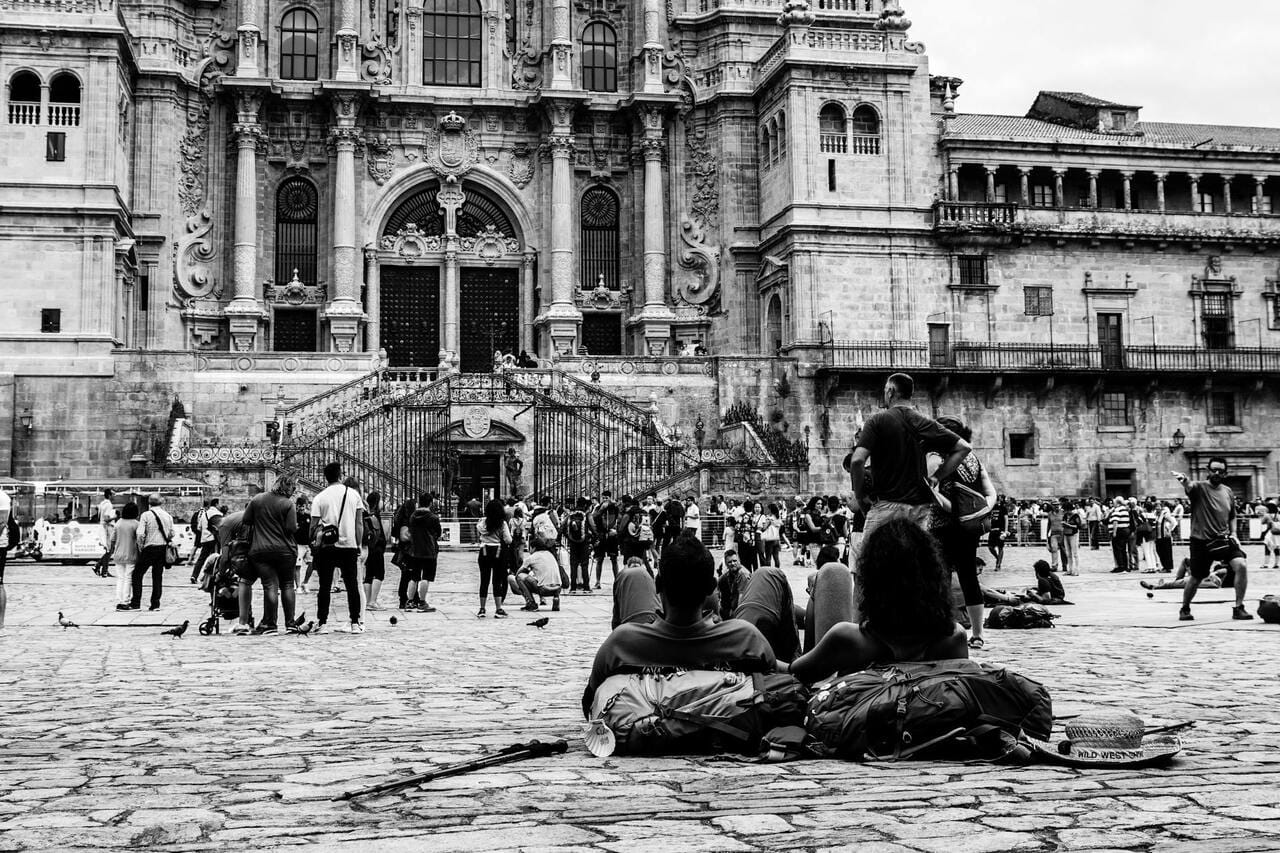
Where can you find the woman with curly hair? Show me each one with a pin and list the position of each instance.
(495, 540)
(904, 598)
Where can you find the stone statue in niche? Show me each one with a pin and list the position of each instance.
(515, 470)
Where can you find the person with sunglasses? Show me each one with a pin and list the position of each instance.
(1213, 518)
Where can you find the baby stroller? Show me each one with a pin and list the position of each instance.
(221, 582)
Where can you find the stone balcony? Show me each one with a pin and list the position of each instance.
(1032, 358)
(961, 222)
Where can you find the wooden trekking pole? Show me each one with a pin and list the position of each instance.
(516, 752)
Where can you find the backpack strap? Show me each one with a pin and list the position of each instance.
(160, 524)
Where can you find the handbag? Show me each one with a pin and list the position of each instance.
(170, 550)
(326, 535)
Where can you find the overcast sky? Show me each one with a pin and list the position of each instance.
(1181, 60)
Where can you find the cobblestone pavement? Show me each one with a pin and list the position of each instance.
(114, 736)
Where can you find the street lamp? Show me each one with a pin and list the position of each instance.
(1179, 439)
(25, 419)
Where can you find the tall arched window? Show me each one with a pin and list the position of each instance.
(299, 46)
(764, 147)
(451, 43)
(782, 135)
(599, 58)
(833, 134)
(24, 98)
(866, 130)
(600, 238)
(296, 231)
(64, 100)
(773, 140)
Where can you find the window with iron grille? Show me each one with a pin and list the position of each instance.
(599, 58)
(1042, 196)
(1215, 321)
(299, 46)
(451, 43)
(599, 213)
(973, 269)
(296, 231)
(1022, 445)
(1037, 301)
(1114, 411)
(1222, 409)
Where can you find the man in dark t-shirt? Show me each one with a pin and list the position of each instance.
(1213, 539)
(896, 441)
(683, 638)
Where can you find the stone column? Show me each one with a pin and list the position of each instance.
(1058, 200)
(527, 266)
(1093, 188)
(561, 46)
(245, 313)
(449, 307)
(344, 312)
(1025, 180)
(1128, 189)
(1195, 191)
(248, 35)
(655, 317)
(1226, 194)
(347, 69)
(562, 317)
(953, 183)
(991, 183)
(1259, 193)
(373, 299)
(1161, 204)
(652, 49)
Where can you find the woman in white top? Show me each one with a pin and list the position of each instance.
(495, 533)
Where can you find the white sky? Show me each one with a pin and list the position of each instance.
(1181, 60)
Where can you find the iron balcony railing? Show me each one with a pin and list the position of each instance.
(998, 357)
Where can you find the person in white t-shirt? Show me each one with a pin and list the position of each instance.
(107, 516)
(337, 507)
(693, 517)
(6, 507)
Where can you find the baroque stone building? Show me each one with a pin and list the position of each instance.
(291, 216)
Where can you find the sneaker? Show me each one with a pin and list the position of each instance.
(343, 629)
(321, 629)
(1184, 615)
(530, 608)
(597, 584)
(555, 605)
(427, 608)
(1146, 584)
(404, 605)
(1238, 612)
(357, 627)
(499, 614)
(480, 614)
(373, 605)
(265, 629)
(240, 630)
(154, 607)
(127, 607)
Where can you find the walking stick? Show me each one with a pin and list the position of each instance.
(515, 752)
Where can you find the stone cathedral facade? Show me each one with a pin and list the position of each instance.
(694, 205)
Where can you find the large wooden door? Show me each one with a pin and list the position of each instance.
(1111, 341)
(489, 312)
(410, 321)
(478, 477)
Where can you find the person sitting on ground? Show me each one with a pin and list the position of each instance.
(1218, 578)
(538, 575)
(731, 583)
(992, 597)
(1049, 589)
(684, 638)
(904, 598)
(634, 589)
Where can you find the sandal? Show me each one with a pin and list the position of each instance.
(977, 643)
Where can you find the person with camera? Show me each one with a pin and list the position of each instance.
(1213, 517)
(337, 525)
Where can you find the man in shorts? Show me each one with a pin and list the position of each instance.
(1213, 517)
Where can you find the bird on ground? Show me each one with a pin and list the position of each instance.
(540, 623)
(302, 630)
(178, 631)
(65, 622)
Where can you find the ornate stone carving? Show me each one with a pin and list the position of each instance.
(194, 256)
(193, 147)
(490, 245)
(892, 18)
(295, 293)
(796, 13)
(521, 168)
(410, 243)
(205, 320)
(696, 255)
(375, 63)
(452, 149)
(601, 297)
(381, 159)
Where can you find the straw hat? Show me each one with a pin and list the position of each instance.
(1109, 738)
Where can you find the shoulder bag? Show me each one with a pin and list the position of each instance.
(170, 550)
(326, 535)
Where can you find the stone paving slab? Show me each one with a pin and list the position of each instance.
(115, 737)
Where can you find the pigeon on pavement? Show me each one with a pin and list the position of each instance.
(302, 630)
(65, 622)
(178, 631)
(540, 623)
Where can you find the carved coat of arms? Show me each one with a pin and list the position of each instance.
(456, 148)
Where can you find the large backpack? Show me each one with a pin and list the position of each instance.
(745, 532)
(696, 711)
(1022, 616)
(943, 709)
(645, 526)
(576, 530)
